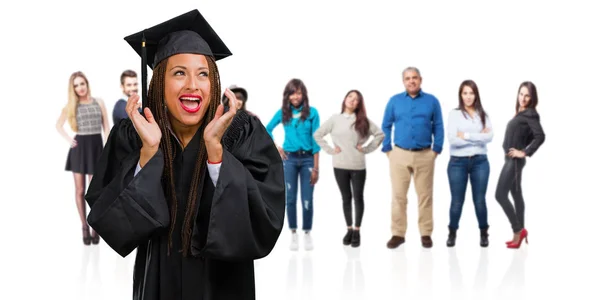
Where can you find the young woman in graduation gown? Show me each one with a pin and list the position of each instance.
(197, 190)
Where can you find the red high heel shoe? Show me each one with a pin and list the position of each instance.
(522, 235)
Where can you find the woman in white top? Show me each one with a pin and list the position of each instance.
(349, 130)
(469, 131)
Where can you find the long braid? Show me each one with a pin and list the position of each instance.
(157, 106)
(200, 169)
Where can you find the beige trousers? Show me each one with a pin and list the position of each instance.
(404, 164)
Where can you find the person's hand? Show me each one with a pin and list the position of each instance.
(282, 153)
(73, 143)
(337, 150)
(485, 130)
(512, 152)
(213, 133)
(146, 128)
(359, 147)
(314, 176)
(461, 135)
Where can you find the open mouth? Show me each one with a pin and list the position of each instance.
(190, 103)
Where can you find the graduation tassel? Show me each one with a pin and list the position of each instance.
(144, 74)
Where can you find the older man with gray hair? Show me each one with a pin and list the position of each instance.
(418, 138)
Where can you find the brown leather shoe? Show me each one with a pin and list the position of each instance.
(426, 241)
(395, 241)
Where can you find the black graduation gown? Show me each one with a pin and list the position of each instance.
(236, 222)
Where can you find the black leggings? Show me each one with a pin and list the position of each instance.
(510, 181)
(356, 178)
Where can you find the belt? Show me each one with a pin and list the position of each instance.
(468, 156)
(414, 149)
(300, 152)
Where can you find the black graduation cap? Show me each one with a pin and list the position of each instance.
(187, 33)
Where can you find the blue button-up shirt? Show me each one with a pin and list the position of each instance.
(415, 120)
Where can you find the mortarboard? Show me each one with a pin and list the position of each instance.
(187, 33)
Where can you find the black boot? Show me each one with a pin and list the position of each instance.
(451, 238)
(484, 238)
(356, 238)
(348, 237)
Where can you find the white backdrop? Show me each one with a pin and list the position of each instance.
(333, 47)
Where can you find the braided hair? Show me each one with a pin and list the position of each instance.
(156, 96)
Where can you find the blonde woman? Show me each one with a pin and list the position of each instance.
(87, 118)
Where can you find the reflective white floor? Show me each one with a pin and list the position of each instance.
(42, 255)
(47, 259)
(66, 270)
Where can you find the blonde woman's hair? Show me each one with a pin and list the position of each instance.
(74, 99)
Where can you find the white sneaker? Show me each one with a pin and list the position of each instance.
(308, 243)
(294, 244)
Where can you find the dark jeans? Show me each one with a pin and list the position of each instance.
(299, 166)
(351, 182)
(460, 170)
(510, 181)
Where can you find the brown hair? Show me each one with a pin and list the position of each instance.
(127, 73)
(156, 104)
(476, 103)
(290, 88)
(361, 125)
(533, 97)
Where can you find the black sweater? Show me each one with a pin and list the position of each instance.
(524, 132)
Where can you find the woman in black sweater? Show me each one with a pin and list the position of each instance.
(523, 137)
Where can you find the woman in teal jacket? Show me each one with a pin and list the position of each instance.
(300, 154)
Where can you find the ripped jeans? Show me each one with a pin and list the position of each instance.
(299, 167)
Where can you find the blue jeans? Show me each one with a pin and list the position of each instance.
(460, 170)
(299, 166)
